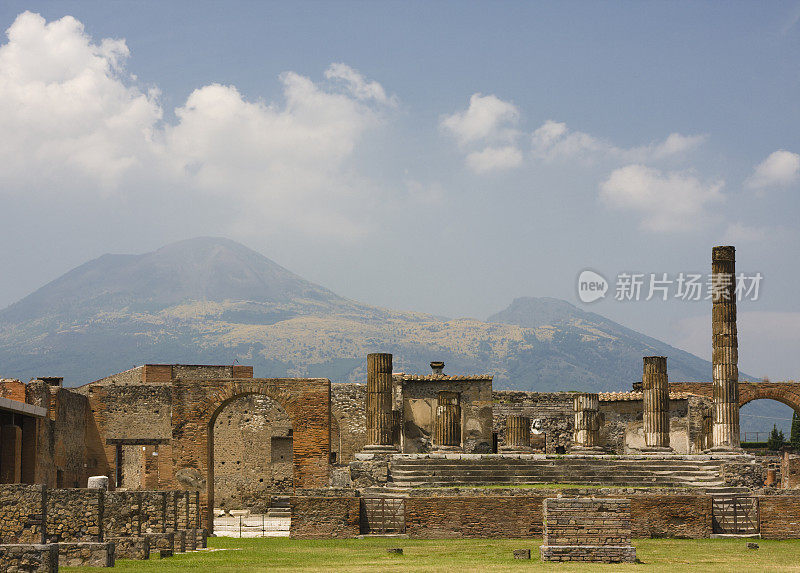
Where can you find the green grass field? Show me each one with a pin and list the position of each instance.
(234, 555)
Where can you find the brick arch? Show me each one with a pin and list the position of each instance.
(785, 392)
(768, 391)
(196, 405)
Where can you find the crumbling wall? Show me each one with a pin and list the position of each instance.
(420, 398)
(21, 509)
(75, 514)
(550, 414)
(252, 453)
(348, 410)
(325, 517)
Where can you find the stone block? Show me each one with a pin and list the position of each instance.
(29, 558)
(86, 554)
(522, 554)
(131, 547)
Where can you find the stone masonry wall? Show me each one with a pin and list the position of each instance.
(550, 414)
(325, 517)
(19, 503)
(29, 557)
(252, 453)
(153, 508)
(75, 514)
(121, 516)
(348, 411)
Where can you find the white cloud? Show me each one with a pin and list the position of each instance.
(488, 118)
(75, 122)
(554, 141)
(494, 159)
(357, 85)
(741, 233)
(489, 123)
(779, 169)
(672, 201)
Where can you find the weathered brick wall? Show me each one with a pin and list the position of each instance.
(12, 389)
(75, 514)
(348, 408)
(587, 521)
(182, 509)
(195, 516)
(780, 516)
(325, 517)
(197, 402)
(474, 517)
(121, 514)
(18, 503)
(681, 516)
(520, 514)
(790, 471)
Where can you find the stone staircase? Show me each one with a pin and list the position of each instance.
(407, 471)
(279, 507)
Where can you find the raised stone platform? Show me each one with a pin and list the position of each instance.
(587, 529)
(86, 554)
(651, 470)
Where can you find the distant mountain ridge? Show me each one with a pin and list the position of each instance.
(212, 300)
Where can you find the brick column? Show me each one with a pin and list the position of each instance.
(725, 357)
(379, 403)
(518, 434)
(447, 428)
(655, 404)
(586, 436)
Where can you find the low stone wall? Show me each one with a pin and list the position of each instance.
(75, 515)
(121, 517)
(780, 516)
(161, 541)
(131, 547)
(750, 474)
(29, 558)
(85, 554)
(325, 517)
(153, 508)
(18, 505)
(682, 516)
(587, 529)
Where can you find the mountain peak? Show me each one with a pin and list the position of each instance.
(533, 312)
(199, 269)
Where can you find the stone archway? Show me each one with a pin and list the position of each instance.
(198, 403)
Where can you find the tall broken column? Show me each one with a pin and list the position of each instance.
(656, 404)
(379, 403)
(725, 357)
(586, 435)
(447, 426)
(518, 434)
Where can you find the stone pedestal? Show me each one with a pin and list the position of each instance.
(586, 435)
(380, 420)
(655, 402)
(725, 353)
(518, 435)
(447, 428)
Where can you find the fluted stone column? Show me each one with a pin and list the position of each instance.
(447, 427)
(586, 436)
(518, 434)
(656, 404)
(379, 403)
(725, 357)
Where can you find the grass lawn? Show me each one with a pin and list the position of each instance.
(697, 556)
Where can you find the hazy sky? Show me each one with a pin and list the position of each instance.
(440, 157)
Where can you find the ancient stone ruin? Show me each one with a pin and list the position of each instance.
(427, 455)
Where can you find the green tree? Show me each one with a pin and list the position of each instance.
(794, 436)
(776, 439)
